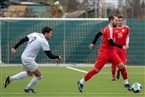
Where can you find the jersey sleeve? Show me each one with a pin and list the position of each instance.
(45, 46)
(127, 37)
(30, 35)
(109, 32)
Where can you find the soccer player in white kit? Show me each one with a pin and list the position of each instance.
(35, 42)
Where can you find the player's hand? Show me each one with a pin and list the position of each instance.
(59, 59)
(91, 45)
(13, 51)
(127, 46)
(124, 47)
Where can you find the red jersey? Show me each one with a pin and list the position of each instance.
(107, 33)
(122, 35)
(107, 53)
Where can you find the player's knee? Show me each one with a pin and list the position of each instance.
(121, 66)
(97, 70)
(30, 74)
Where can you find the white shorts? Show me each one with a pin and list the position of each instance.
(29, 65)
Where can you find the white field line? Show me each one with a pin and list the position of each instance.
(75, 69)
(83, 71)
(69, 93)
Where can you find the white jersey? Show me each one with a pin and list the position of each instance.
(35, 43)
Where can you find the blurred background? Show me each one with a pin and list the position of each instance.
(130, 9)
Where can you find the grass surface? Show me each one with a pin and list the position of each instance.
(61, 82)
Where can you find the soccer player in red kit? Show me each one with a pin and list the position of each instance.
(122, 37)
(106, 54)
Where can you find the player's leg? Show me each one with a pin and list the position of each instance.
(89, 75)
(113, 66)
(33, 82)
(113, 69)
(100, 62)
(123, 57)
(18, 76)
(116, 60)
(118, 72)
(34, 70)
(123, 70)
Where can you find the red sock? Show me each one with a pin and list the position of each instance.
(124, 73)
(89, 74)
(113, 68)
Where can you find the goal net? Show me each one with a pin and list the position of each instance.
(70, 38)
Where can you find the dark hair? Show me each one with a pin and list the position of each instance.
(120, 16)
(46, 29)
(110, 18)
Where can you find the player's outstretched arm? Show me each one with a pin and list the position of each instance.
(13, 50)
(92, 44)
(21, 42)
(96, 37)
(112, 43)
(52, 56)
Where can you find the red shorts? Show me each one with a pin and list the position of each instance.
(106, 56)
(122, 54)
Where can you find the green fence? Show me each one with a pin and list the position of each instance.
(136, 52)
(70, 39)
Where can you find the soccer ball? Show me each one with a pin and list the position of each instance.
(136, 87)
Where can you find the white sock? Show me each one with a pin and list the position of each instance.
(20, 75)
(33, 82)
(82, 81)
(126, 81)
